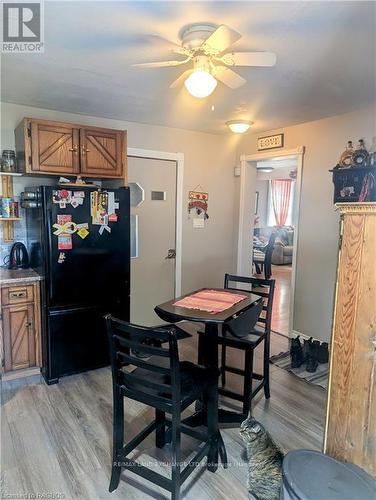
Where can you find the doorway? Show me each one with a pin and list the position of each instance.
(265, 179)
(155, 181)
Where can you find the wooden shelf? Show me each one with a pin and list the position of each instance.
(11, 174)
(9, 219)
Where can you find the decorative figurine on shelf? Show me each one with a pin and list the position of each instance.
(360, 155)
(345, 160)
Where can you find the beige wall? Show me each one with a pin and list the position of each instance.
(209, 160)
(324, 140)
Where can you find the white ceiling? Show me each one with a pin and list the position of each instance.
(326, 62)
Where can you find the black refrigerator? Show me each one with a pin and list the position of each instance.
(79, 241)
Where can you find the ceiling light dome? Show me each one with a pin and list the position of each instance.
(239, 126)
(200, 83)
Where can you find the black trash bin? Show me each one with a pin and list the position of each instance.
(310, 475)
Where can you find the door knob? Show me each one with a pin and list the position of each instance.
(171, 253)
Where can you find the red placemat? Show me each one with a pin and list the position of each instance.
(212, 301)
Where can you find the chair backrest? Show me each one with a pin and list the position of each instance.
(262, 287)
(125, 340)
(268, 255)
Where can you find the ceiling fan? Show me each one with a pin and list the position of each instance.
(204, 46)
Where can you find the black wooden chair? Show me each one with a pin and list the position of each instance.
(247, 338)
(165, 384)
(263, 259)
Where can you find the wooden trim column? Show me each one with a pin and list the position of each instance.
(350, 431)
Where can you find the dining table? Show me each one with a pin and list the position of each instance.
(208, 349)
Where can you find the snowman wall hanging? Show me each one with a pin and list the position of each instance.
(198, 205)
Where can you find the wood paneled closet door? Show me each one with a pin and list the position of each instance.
(55, 148)
(102, 152)
(350, 432)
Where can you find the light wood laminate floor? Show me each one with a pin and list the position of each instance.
(282, 299)
(57, 439)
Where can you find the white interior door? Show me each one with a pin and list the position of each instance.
(153, 265)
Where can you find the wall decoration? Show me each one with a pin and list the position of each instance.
(198, 204)
(270, 142)
(345, 159)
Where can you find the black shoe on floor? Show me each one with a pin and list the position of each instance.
(296, 353)
(306, 344)
(323, 353)
(312, 361)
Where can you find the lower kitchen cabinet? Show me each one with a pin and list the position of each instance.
(21, 331)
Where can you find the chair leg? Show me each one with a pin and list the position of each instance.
(160, 433)
(266, 365)
(223, 365)
(247, 383)
(213, 432)
(175, 447)
(117, 438)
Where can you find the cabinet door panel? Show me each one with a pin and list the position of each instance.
(19, 341)
(102, 152)
(55, 148)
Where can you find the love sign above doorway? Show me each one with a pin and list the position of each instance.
(270, 142)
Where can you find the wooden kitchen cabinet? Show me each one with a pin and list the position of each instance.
(19, 337)
(21, 326)
(101, 152)
(350, 431)
(58, 148)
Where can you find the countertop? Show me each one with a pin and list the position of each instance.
(14, 276)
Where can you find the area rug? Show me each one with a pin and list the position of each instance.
(320, 377)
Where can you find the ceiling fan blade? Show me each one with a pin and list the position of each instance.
(178, 49)
(228, 77)
(222, 38)
(161, 64)
(250, 58)
(181, 79)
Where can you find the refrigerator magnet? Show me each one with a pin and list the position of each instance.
(61, 258)
(104, 227)
(64, 242)
(83, 232)
(63, 219)
(76, 200)
(62, 197)
(112, 218)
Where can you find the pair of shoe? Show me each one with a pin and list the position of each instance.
(312, 352)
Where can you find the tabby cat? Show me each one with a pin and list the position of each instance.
(264, 459)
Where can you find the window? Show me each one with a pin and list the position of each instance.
(270, 213)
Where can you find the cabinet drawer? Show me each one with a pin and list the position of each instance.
(17, 294)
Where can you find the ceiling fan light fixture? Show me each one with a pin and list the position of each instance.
(239, 126)
(200, 83)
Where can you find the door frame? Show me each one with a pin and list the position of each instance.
(245, 161)
(178, 158)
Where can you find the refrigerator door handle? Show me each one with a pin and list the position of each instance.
(49, 229)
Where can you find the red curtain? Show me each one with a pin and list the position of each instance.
(281, 192)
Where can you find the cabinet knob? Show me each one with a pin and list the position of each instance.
(74, 149)
(85, 150)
